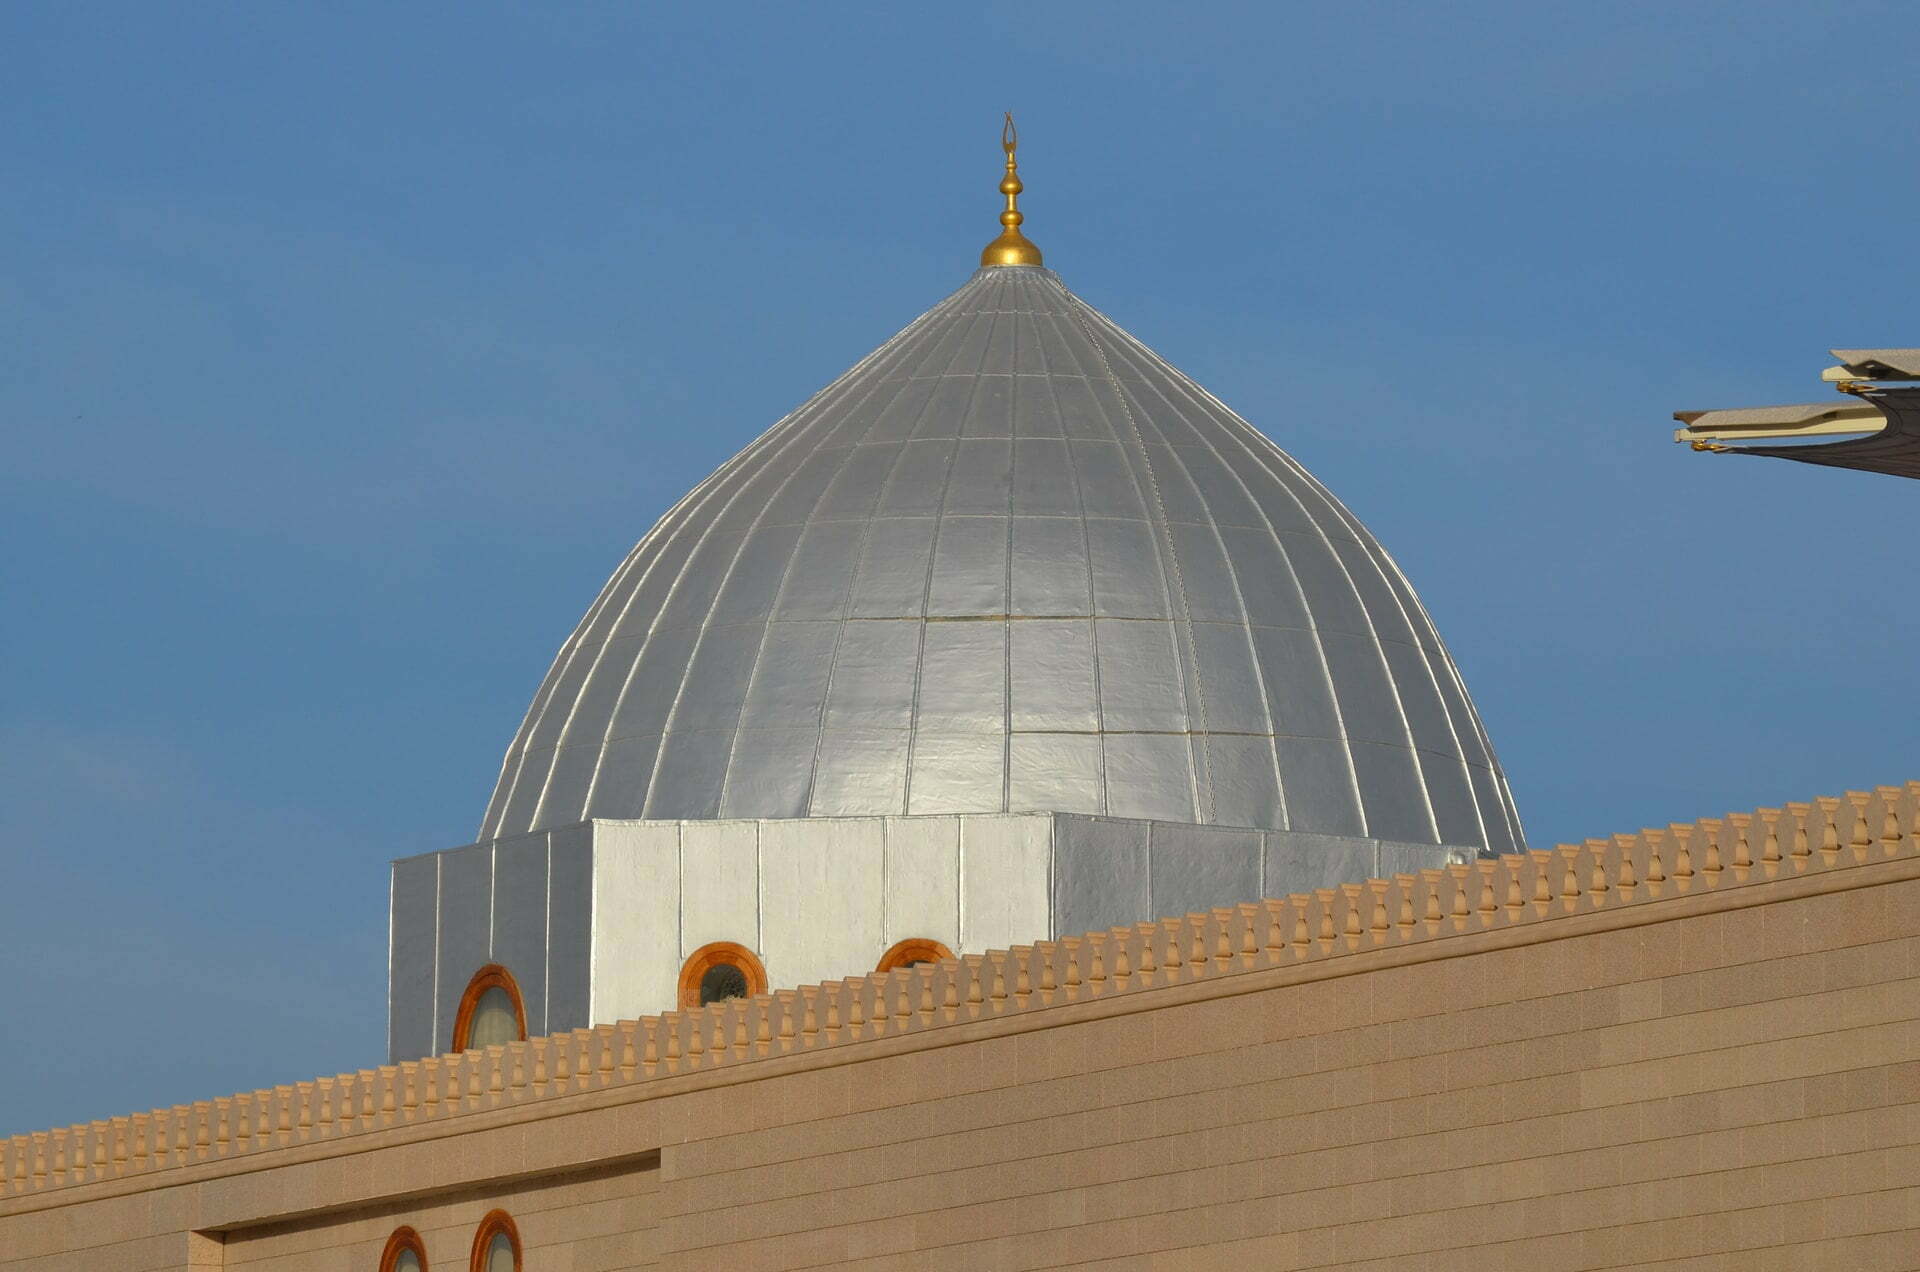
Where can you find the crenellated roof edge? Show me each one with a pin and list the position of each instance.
(1531, 890)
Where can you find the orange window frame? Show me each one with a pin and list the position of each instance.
(915, 949)
(492, 976)
(496, 1222)
(712, 955)
(403, 1240)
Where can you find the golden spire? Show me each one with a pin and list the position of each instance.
(1012, 247)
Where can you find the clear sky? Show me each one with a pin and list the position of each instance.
(345, 349)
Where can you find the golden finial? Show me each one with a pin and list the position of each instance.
(1012, 247)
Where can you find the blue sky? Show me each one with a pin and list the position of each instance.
(344, 352)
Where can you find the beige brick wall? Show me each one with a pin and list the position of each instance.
(1719, 1080)
(582, 1222)
(1737, 1089)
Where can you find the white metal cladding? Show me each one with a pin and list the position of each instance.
(595, 920)
(1010, 561)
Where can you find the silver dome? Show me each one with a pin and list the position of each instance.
(1010, 561)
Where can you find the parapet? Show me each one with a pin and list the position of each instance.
(1251, 946)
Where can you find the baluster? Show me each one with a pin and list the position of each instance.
(537, 1064)
(856, 996)
(1626, 845)
(809, 1017)
(1889, 820)
(1656, 876)
(1861, 841)
(1405, 884)
(1377, 925)
(670, 1038)
(1598, 884)
(1486, 909)
(901, 981)
(606, 1059)
(222, 1126)
(119, 1147)
(1742, 824)
(1712, 868)
(974, 1000)
(1043, 954)
(1171, 959)
(57, 1174)
(696, 1052)
(1568, 870)
(1098, 976)
(1222, 938)
(1149, 965)
(1682, 856)
(1829, 830)
(325, 1122)
(1770, 856)
(305, 1093)
(387, 1103)
(514, 1071)
(1458, 911)
(249, 1114)
(1350, 929)
(496, 1066)
(1539, 864)
(766, 1007)
(1070, 981)
(785, 1037)
(1250, 924)
(997, 993)
(1913, 816)
(649, 1027)
(1432, 912)
(1275, 931)
(1512, 864)
(734, 1020)
(1321, 908)
(628, 1031)
(934, 984)
(1802, 853)
(1022, 982)
(834, 993)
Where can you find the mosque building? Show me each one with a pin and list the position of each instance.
(1011, 815)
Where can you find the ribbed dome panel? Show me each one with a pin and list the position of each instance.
(1012, 560)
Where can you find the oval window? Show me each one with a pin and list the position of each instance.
(404, 1252)
(911, 952)
(496, 1246)
(719, 971)
(491, 1011)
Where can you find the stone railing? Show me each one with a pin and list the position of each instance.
(1716, 853)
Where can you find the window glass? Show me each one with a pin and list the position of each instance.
(407, 1262)
(722, 981)
(494, 1021)
(500, 1253)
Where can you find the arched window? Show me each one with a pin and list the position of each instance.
(404, 1253)
(915, 949)
(719, 971)
(490, 1011)
(496, 1245)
